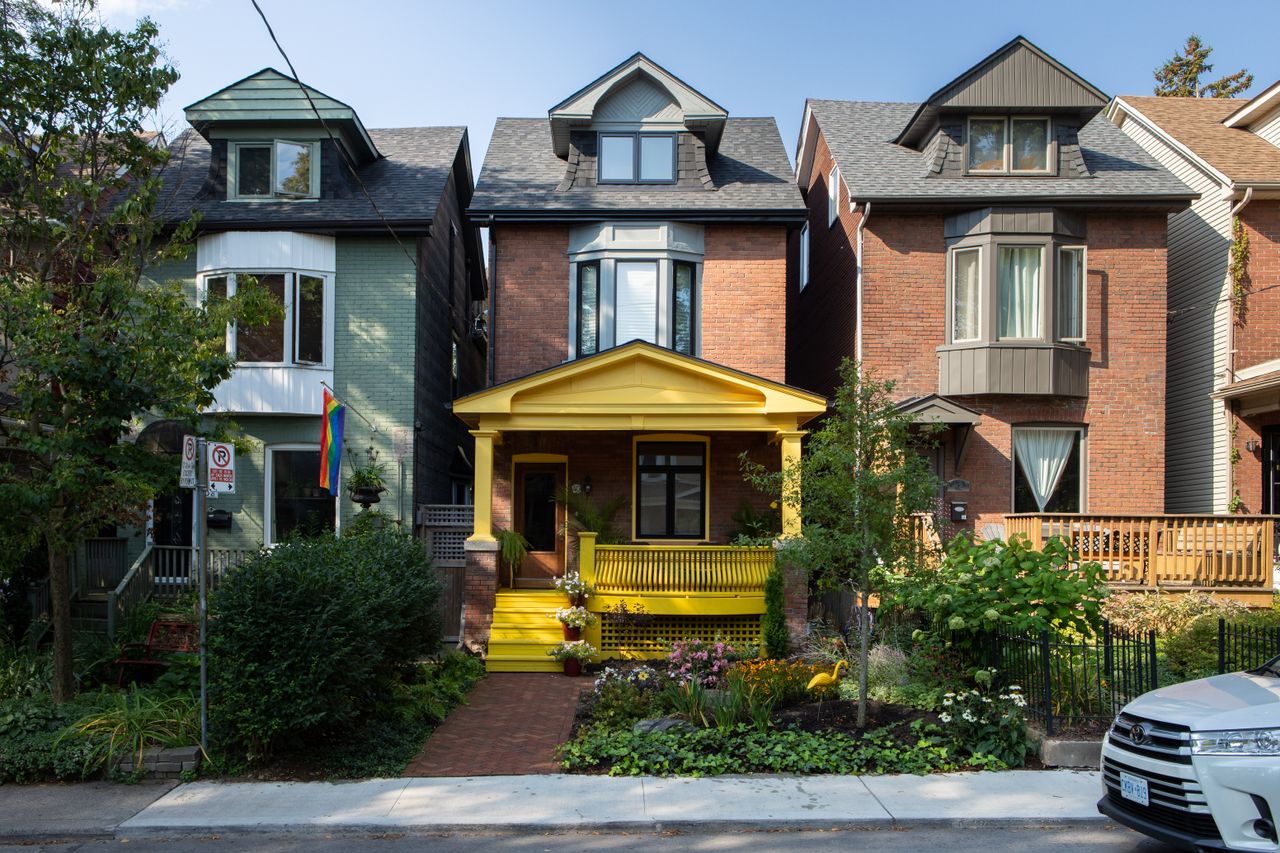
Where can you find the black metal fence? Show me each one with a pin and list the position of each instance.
(1246, 646)
(1070, 682)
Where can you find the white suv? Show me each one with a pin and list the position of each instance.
(1197, 765)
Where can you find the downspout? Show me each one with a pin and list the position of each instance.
(1231, 345)
(493, 304)
(857, 328)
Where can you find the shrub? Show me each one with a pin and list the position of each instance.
(985, 721)
(30, 747)
(773, 626)
(784, 682)
(1008, 585)
(126, 723)
(623, 697)
(304, 638)
(23, 673)
(1167, 613)
(700, 661)
(1194, 652)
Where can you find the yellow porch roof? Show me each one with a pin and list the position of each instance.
(639, 386)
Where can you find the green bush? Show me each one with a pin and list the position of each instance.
(31, 749)
(304, 639)
(1166, 613)
(1194, 653)
(1008, 585)
(127, 722)
(773, 626)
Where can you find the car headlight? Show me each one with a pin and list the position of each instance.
(1236, 742)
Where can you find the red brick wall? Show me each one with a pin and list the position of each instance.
(607, 458)
(1247, 477)
(743, 298)
(530, 299)
(821, 318)
(1256, 338)
(744, 281)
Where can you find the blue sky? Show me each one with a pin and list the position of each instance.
(427, 63)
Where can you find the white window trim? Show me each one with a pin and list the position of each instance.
(233, 170)
(833, 196)
(804, 256)
(1050, 154)
(268, 492)
(290, 316)
(951, 294)
(1081, 431)
(1084, 289)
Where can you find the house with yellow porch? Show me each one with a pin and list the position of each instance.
(637, 353)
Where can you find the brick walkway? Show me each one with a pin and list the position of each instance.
(511, 726)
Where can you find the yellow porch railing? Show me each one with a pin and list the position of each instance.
(1208, 551)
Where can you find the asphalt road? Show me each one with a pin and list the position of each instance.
(1100, 838)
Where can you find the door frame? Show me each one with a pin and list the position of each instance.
(1270, 436)
(539, 459)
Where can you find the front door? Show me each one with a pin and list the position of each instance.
(1271, 469)
(540, 519)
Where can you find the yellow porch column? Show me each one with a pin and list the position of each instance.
(789, 443)
(482, 530)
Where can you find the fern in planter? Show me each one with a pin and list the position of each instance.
(512, 549)
(586, 515)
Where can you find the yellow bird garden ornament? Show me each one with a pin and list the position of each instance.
(824, 680)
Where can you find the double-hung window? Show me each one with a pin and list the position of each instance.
(671, 490)
(636, 303)
(645, 158)
(279, 169)
(1009, 145)
(296, 335)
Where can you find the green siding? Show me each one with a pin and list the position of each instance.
(247, 505)
(182, 270)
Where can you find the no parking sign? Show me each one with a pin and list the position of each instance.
(222, 468)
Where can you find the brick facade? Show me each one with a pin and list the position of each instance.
(530, 301)
(904, 321)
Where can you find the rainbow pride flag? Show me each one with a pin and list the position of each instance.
(331, 442)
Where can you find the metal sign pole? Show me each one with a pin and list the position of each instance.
(201, 496)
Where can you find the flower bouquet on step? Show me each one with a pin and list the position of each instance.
(574, 619)
(574, 587)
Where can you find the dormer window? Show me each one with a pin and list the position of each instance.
(273, 170)
(1009, 145)
(637, 158)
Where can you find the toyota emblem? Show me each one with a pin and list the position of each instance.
(1139, 734)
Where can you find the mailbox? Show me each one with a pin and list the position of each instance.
(219, 518)
(959, 511)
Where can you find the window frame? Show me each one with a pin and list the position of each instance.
(951, 293)
(635, 137)
(1081, 431)
(804, 256)
(1007, 170)
(233, 170)
(1059, 248)
(268, 492)
(659, 291)
(579, 311)
(693, 305)
(705, 498)
(1041, 322)
(289, 321)
(833, 196)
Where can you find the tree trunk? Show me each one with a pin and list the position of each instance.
(64, 686)
(864, 644)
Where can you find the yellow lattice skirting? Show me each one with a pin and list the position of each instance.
(653, 638)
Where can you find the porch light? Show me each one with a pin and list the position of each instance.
(1251, 445)
(586, 485)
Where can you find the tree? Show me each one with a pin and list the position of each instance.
(88, 346)
(862, 478)
(1180, 76)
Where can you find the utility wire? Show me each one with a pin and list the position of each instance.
(1178, 312)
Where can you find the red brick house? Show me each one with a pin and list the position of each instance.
(998, 251)
(638, 240)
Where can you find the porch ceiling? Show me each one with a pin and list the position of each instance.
(639, 386)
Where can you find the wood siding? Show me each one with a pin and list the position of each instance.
(1196, 442)
(1269, 129)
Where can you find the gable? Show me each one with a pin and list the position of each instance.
(638, 101)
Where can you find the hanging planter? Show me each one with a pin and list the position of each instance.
(365, 483)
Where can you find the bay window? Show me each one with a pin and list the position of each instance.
(297, 335)
(1018, 274)
(636, 306)
(1048, 465)
(965, 294)
(588, 308)
(682, 307)
(1071, 294)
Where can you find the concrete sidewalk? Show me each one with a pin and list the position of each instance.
(564, 802)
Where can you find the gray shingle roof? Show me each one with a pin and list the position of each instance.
(751, 174)
(406, 184)
(860, 135)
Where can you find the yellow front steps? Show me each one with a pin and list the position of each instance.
(524, 630)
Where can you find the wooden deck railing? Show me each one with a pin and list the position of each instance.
(1220, 551)
(134, 588)
(677, 579)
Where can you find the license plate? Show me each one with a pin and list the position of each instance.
(1134, 788)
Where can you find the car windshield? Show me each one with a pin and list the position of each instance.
(1271, 668)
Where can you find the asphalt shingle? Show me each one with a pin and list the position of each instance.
(860, 135)
(750, 173)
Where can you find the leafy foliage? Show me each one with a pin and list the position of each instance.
(1009, 585)
(128, 722)
(755, 527)
(1193, 653)
(30, 747)
(988, 721)
(1180, 75)
(784, 681)
(586, 515)
(773, 625)
(305, 638)
(1166, 613)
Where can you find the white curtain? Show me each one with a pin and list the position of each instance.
(1019, 291)
(964, 295)
(1043, 454)
(636, 315)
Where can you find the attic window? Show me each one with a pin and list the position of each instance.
(1013, 145)
(645, 158)
(278, 169)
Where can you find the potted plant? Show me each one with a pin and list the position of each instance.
(572, 653)
(574, 619)
(572, 585)
(365, 482)
(512, 549)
